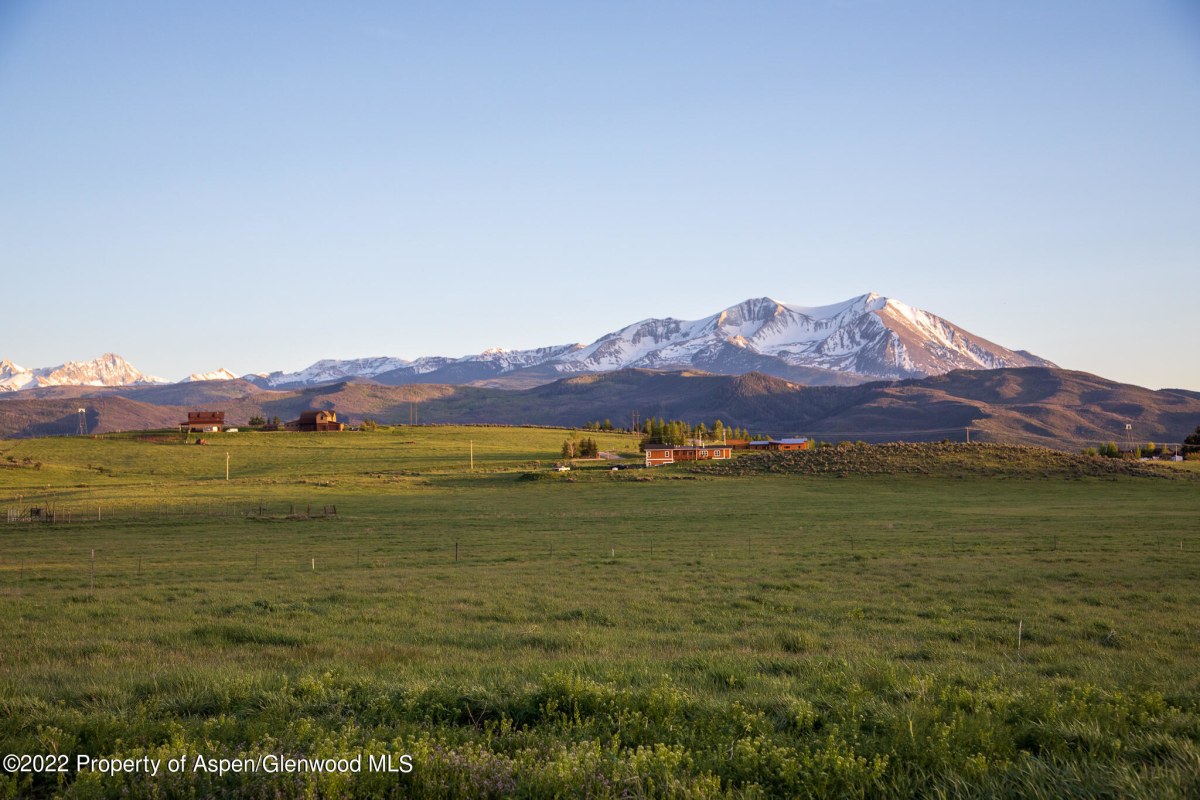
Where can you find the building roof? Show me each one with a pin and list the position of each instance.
(790, 441)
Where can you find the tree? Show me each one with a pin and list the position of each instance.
(257, 420)
(1192, 443)
(568, 449)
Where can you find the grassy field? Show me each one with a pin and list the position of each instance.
(594, 633)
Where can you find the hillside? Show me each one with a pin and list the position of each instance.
(934, 459)
(1032, 405)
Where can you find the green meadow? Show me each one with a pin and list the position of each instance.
(507, 630)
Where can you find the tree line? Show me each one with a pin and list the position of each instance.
(1190, 448)
(678, 432)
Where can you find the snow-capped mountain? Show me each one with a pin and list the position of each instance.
(107, 370)
(496, 361)
(329, 369)
(221, 374)
(868, 337)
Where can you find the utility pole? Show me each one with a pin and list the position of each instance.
(226, 465)
(968, 435)
(472, 455)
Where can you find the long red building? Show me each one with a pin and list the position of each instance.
(659, 454)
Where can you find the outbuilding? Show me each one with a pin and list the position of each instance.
(778, 444)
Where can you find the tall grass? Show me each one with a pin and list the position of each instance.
(602, 637)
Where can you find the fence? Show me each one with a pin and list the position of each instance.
(76, 513)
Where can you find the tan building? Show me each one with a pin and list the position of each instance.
(316, 421)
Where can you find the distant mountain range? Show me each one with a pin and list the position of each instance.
(866, 338)
(107, 370)
(1031, 405)
(871, 368)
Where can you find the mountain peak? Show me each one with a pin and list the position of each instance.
(220, 374)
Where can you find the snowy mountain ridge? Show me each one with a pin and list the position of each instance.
(107, 370)
(868, 337)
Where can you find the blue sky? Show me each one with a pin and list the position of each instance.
(259, 185)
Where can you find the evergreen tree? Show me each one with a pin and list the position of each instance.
(1192, 443)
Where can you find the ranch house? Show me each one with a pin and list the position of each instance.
(659, 454)
(316, 421)
(205, 421)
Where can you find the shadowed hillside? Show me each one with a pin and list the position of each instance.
(1040, 406)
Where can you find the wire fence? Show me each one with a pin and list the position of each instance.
(75, 513)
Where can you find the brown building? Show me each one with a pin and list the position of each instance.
(206, 421)
(316, 421)
(659, 454)
(778, 444)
